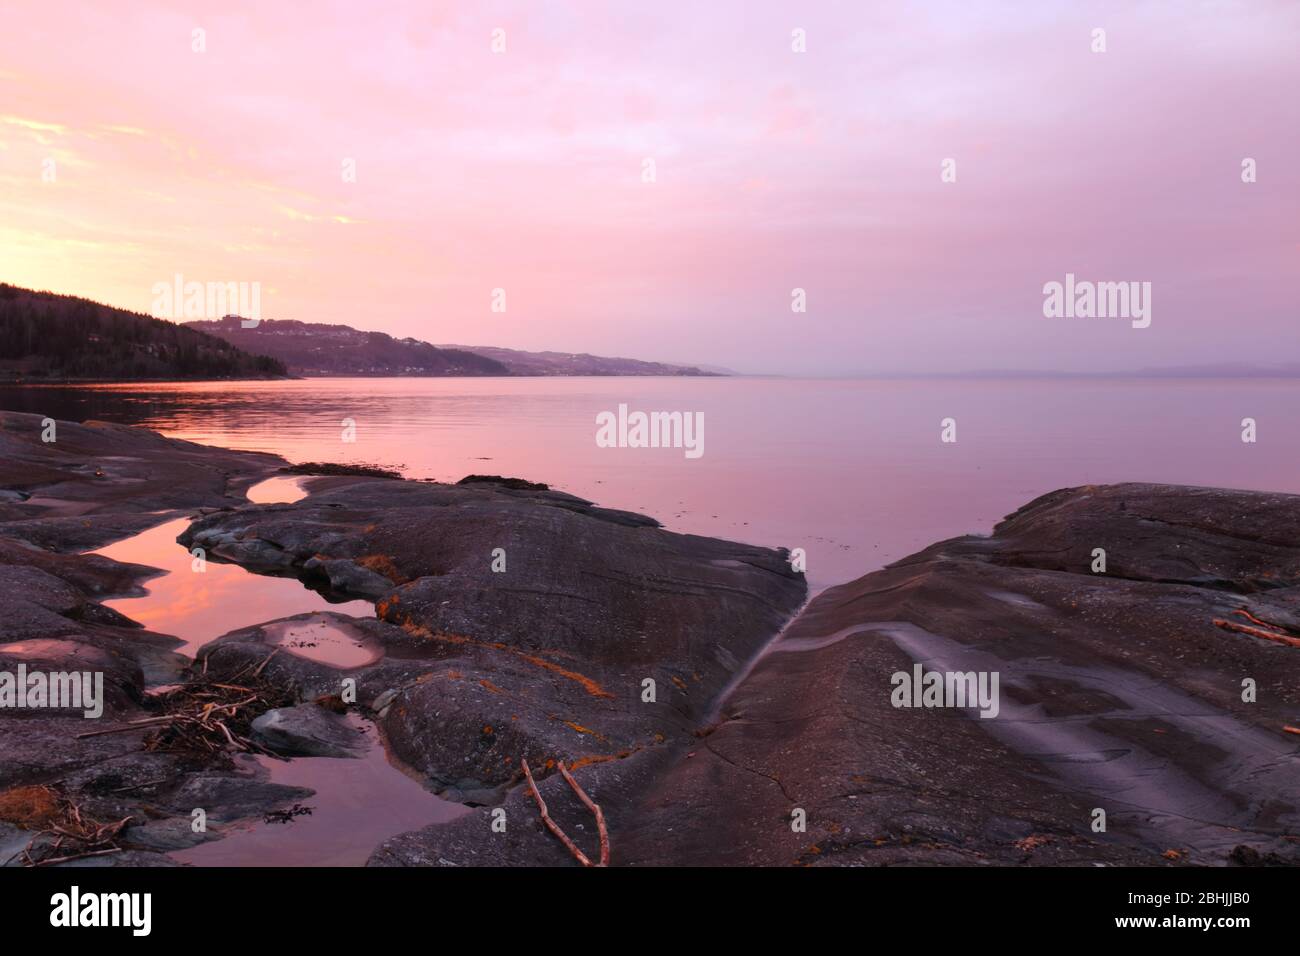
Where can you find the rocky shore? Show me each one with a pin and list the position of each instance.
(713, 717)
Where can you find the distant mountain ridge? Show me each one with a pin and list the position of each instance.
(578, 363)
(322, 349)
(325, 349)
(44, 335)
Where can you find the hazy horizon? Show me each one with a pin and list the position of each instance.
(774, 170)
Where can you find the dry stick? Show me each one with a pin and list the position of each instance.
(1256, 632)
(595, 809)
(226, 730)
(140, 786)
(133, 725)
(1262, 623)
(76, 856)
(551, 824)
(261, 666)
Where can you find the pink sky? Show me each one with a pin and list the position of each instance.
(775, 170)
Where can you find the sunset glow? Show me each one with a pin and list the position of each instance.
(522, 170)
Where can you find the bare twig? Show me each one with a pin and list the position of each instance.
(595, 809)
(1242, 612)
(139, 786)
(130, 725)
(1257, 632)
(262, 666)
(51, 861)
(551, 824)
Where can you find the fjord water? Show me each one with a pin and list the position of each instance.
(852, 471)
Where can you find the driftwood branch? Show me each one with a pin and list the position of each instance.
(1257, 632)
(595, 809)
(128, 726)
(555, 828)
(1242, 612)
(262, 666)
(76, 856)
(551, 824)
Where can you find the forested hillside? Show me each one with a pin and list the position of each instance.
(44, 335)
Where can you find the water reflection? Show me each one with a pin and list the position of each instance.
(852, 471)
(358, 804)
(200, 605)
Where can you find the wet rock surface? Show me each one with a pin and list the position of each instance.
(548, 656)
(306, 731)
(101, 469)
(77, 487)
(1118, 691)
(89, 485)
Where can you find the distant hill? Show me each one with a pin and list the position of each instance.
(316, 348)
(577, 363)
(44, 335)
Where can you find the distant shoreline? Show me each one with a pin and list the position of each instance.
(1035, 377)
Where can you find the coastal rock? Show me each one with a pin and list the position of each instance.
(1116, 693)
(307, 731)
(229, 796)
(99, 468)
(348, 577)
(540, 626)
(93, 484)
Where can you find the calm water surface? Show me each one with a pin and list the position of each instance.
(852, 471)
(200, 606)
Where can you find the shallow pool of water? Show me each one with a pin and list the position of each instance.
(284, 489)
(200, 605)
(358, 804)
(326, 640)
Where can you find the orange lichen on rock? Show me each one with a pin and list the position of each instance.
(32, 808)
(573, 725)
(587, 684)
(416, 630)
(600, 758)
(1032, 842)
(383, 564)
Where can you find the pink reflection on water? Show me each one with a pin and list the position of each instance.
(358, 804)
(198, 606)
(851, 470)
(326, 640)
